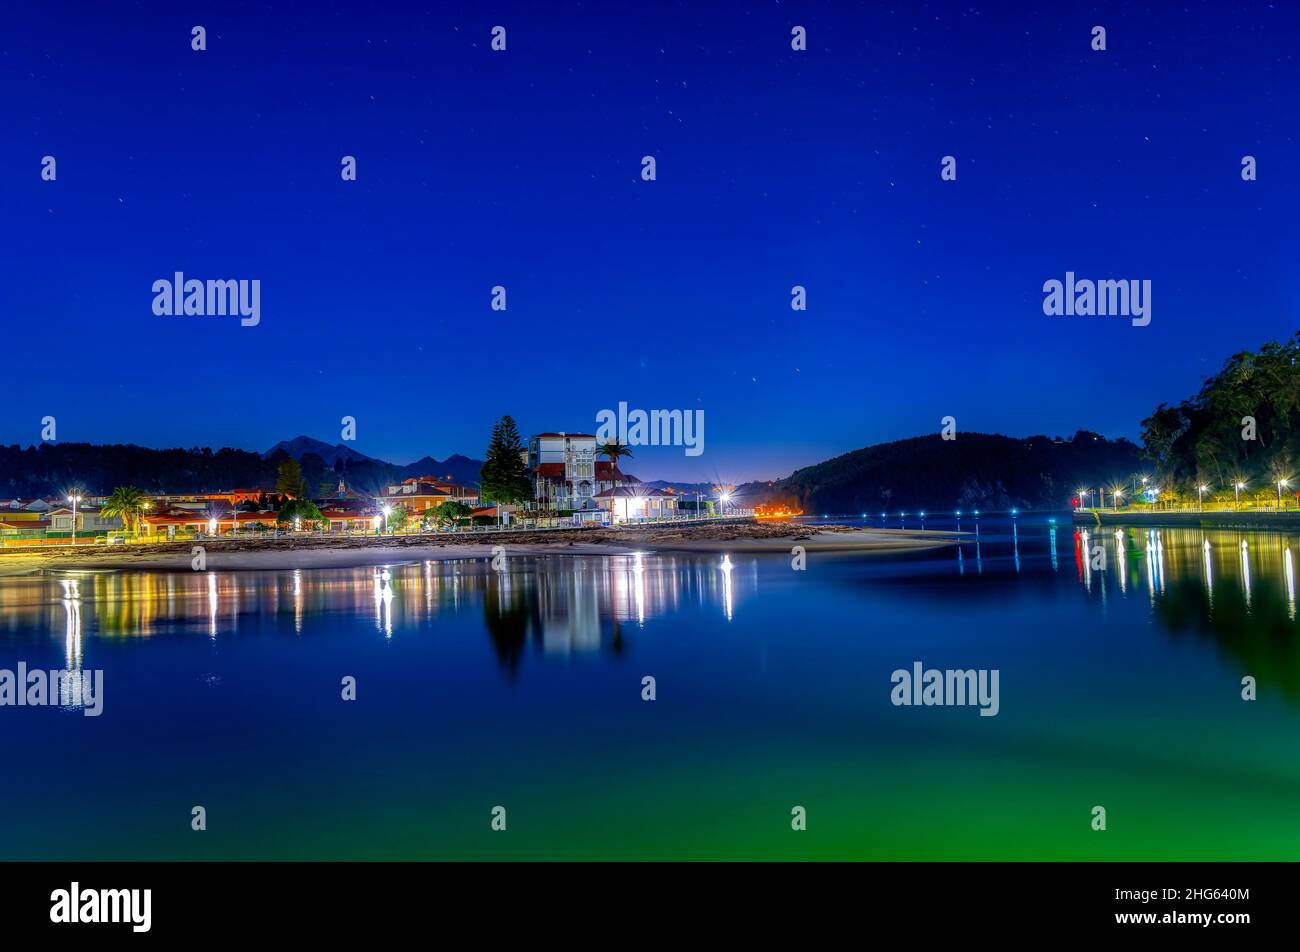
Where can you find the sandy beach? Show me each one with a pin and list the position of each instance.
(306, 553)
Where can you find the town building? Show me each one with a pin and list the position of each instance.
(10, 506)
(183, 521)
(89, 519)
(636, 503)
(15, 528)
(422, 493)
(567, 476)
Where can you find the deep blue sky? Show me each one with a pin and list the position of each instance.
(522, 168)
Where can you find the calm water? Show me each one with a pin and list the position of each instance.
(1119, 686)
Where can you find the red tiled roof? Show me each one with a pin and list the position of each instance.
(550, 469)
(201, 518)
(429, 492)
(604, 467)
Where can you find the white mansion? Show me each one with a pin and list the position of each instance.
(566, 475)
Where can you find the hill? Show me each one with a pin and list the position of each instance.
(461, 469)
(299, 446)
(975, 470)
(52, 469)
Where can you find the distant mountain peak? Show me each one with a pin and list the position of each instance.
(300, 445)
(462, 469)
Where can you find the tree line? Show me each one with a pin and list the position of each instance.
(51, 469)
(1241, 427)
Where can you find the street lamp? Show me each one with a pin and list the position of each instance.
(74, 500)
(1083, 495)
(212, 526)
(388, 509)
(1236, 494)
(1200, 495)
(1280, 484)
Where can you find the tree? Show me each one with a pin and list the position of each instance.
(449, 513)
(127, 503)
(614, 451)
(302, 511)
(289, 481)
(504, 477)
(1243, 418)
(397, 517)
(314, 470)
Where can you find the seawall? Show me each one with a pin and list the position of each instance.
(1214, 519)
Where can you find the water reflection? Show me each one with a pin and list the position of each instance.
(1290, 582)
(1237, 587)
(556, 606)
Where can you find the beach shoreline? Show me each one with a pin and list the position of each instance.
(359, 551)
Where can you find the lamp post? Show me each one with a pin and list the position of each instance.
(74, 500)
(1280, 484)
(1200, 496)
(388, 509)
(1236, 495)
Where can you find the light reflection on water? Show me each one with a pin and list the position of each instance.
(1119, 671)
(564, 605)
(1192, 579)
(1253, 564)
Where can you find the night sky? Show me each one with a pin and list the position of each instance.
(522, 168)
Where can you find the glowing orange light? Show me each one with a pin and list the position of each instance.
(776, 512)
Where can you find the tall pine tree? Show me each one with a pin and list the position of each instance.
(504, 476)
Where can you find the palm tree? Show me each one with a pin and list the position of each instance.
(613, 451)
(128, 503)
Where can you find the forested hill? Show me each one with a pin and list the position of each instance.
(974, 470)
(56, 468)
(1242, 426)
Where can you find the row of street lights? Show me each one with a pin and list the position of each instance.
(1118, 494)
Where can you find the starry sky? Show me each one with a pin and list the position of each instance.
(522, 168)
